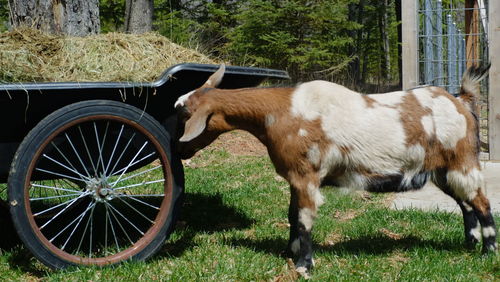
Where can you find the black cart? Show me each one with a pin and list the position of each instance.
(92, 175)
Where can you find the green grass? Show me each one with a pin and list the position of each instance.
(234, 227)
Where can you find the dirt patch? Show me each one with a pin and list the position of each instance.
(239, 143)
(347, 215)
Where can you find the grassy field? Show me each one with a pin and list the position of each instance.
(234, 228)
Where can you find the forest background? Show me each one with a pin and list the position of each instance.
(353, 42)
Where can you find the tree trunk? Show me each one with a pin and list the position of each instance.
(71, 17)
(386, 56)
(400, 40)
(138, 16)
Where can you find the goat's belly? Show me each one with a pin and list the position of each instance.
(380, 183)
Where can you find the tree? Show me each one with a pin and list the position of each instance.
(138, 16)
(310, 39)
(71, 17)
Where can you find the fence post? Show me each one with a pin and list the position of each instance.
(409, 28)
(452, 55)
(494, 91)
(429, 50)
(439, 37)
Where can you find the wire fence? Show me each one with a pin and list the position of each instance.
(451, 37)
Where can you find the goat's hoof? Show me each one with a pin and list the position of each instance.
(490, 249)
(471, 244)
(303, 271)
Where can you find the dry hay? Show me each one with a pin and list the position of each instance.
(28, 55)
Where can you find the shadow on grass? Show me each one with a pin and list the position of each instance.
(203, 214)
(366, 245)
(8, 235)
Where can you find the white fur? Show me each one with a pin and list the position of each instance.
(315, 194)
(465, 185)
(181, 101)
(415, 156)
(489, 232)
(376, 134)
(476, 232)
(428, 125)
(314, 154)
(302, 132)
(449, 124)
(270, 120)
(306, 217)
(391, 99)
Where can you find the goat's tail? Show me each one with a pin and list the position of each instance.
(469, 90)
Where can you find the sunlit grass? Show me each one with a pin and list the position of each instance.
(234, 227)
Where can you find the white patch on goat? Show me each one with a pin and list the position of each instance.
(449, 125)
(390, 99)
(352, 180)
(302, 132)
(270, 120)
(415, 157)
(489, 231)
(312, 100)
(306, 217)
(428, 124)
(465, 186)
(315, 194)
(467, 207)
(182, 99)
(475, 232)
(331, 159)
(314, 154)
(295, 247)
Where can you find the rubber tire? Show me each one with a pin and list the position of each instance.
(51, 123)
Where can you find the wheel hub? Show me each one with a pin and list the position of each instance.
(100, 189)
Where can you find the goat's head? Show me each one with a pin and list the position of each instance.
(199, 123)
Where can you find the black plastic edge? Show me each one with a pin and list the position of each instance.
(250, 71)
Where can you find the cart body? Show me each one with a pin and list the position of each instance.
(91, 174)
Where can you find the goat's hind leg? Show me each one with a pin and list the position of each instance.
(466, 189)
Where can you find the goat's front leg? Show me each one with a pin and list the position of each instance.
(304, 203)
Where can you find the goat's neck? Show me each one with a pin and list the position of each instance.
(250, 109)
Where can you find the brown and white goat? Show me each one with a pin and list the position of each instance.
(321, 133)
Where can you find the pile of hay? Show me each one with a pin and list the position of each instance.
(28, 55)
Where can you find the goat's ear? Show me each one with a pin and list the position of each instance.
(195, 124)
(215, 79)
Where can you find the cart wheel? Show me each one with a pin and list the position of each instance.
(94, 183)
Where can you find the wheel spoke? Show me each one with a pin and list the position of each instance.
(137, 174)
(132, 164)
(85, 230)
(99, 146)
(140, 184)
(114, 149)
(121, 155)
(112, 227)
(54, 197)
(69, 162)
(133, 159)
(76, 152)
(58, 174)
(126, 219)
(63, 210)
(137, 211)
(87, 150)
(79, 218)
(132, 197)
(55, 188)
(121, 226)
(54, 207)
